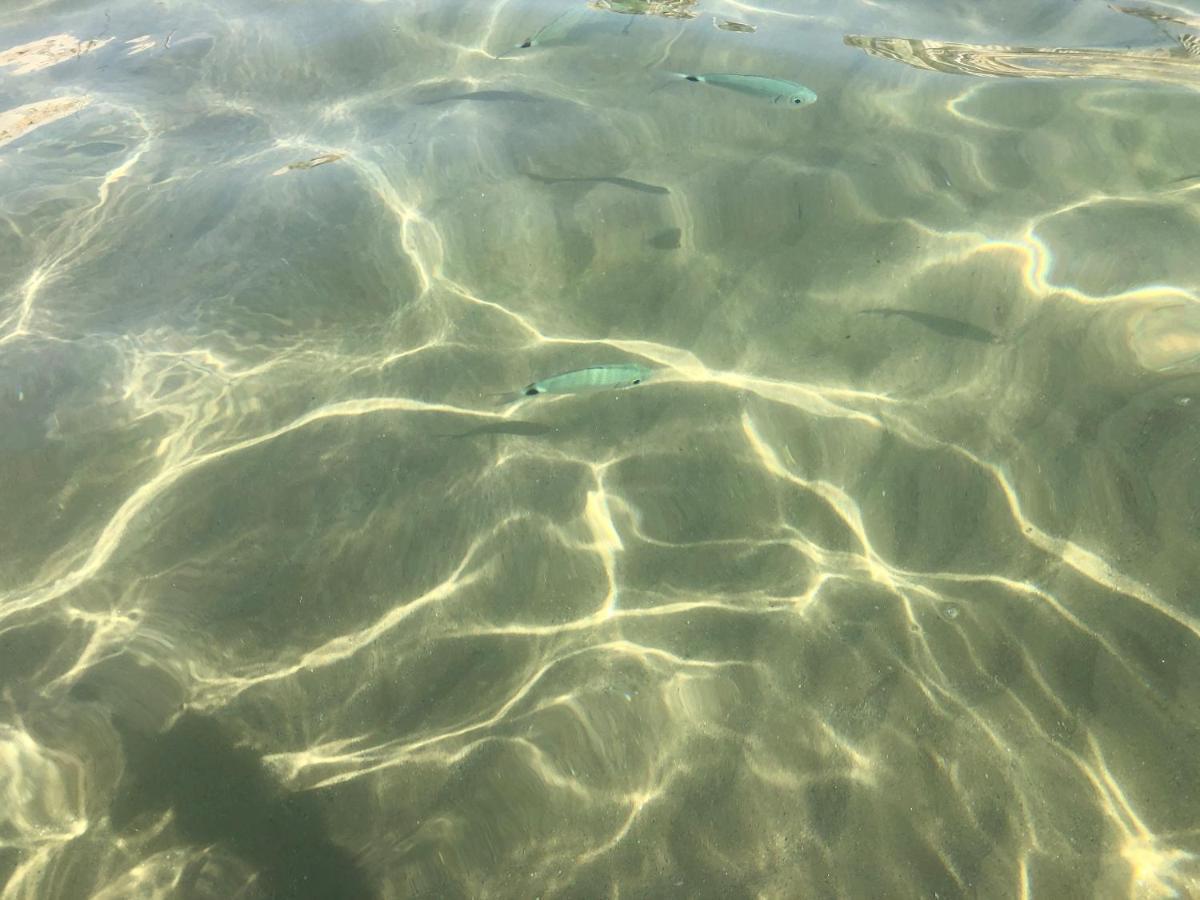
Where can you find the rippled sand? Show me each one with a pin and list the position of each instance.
(881, 586)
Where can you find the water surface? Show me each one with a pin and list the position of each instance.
(883, 584)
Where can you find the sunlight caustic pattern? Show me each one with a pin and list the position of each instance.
(893, 548)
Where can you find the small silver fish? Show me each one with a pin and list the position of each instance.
(777, 90)
(618, 375)
(730, 25)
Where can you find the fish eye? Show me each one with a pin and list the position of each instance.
(797, 100)
(637, 381)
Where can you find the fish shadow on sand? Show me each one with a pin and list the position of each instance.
(943, 325)
(222, 794)
(586, 182)
(516, 427)
(483, 97)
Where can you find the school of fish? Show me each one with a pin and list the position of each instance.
(776, 90)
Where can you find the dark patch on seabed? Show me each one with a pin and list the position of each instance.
(9, 859)
(221, 794)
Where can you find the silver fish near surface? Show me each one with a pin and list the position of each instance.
(730, 25)
(618, 375)
(777, 90)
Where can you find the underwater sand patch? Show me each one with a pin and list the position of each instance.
(23, 119)
(1166, 337)
(47, 52)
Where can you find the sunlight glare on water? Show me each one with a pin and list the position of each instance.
(629, 448)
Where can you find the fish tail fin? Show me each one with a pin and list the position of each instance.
(672, 76)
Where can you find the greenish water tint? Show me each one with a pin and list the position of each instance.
(882, 585)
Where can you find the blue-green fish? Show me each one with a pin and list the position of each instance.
(618, 375)
(777, 90)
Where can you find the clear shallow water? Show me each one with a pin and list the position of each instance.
(883, 585)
